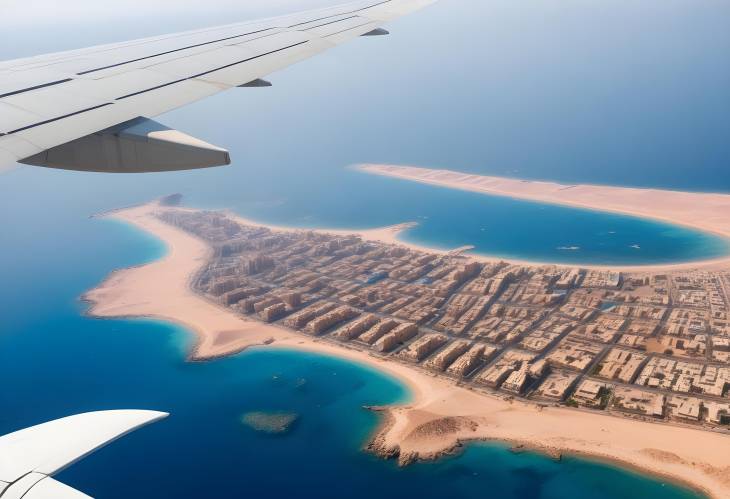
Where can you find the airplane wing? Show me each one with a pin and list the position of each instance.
(29, 457)
(89, 109)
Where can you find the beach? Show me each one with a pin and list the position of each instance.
(440, 414)
(707, 212)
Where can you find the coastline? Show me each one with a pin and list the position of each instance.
(377, 447)
(439, 416)
(698, 211)
(390, 235)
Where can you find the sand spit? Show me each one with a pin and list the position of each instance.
(440, 415)
(704, 211)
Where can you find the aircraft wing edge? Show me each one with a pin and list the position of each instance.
(51, 106)
(48, 448)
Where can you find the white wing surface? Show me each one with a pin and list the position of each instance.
(89, 109)
(29, 457)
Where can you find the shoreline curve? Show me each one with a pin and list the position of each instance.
(692, 210)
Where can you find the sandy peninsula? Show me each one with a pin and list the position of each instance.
(440, 414)
(703, 211)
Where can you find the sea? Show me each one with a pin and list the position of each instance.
(619, 93)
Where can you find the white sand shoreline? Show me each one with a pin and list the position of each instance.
(161, 290)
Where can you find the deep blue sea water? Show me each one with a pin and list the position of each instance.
(624, 93)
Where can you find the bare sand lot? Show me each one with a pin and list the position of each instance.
(440, 414)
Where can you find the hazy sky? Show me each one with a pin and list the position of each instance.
(31, 27)
(30, 12)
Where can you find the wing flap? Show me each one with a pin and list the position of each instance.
(11, 116)
(346, 34)
(46, 103)
(17, 148)
(185, 67)
(64, 128)
(154, 101)
(112, 86)
(14, 82)
(247, 70)
(154, 53)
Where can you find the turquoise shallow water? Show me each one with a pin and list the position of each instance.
(499, 226)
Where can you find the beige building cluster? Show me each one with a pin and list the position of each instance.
(645, 345)
(574, 353)
(685, 377)
(592, 393)
(557, 386)
(620, 364)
